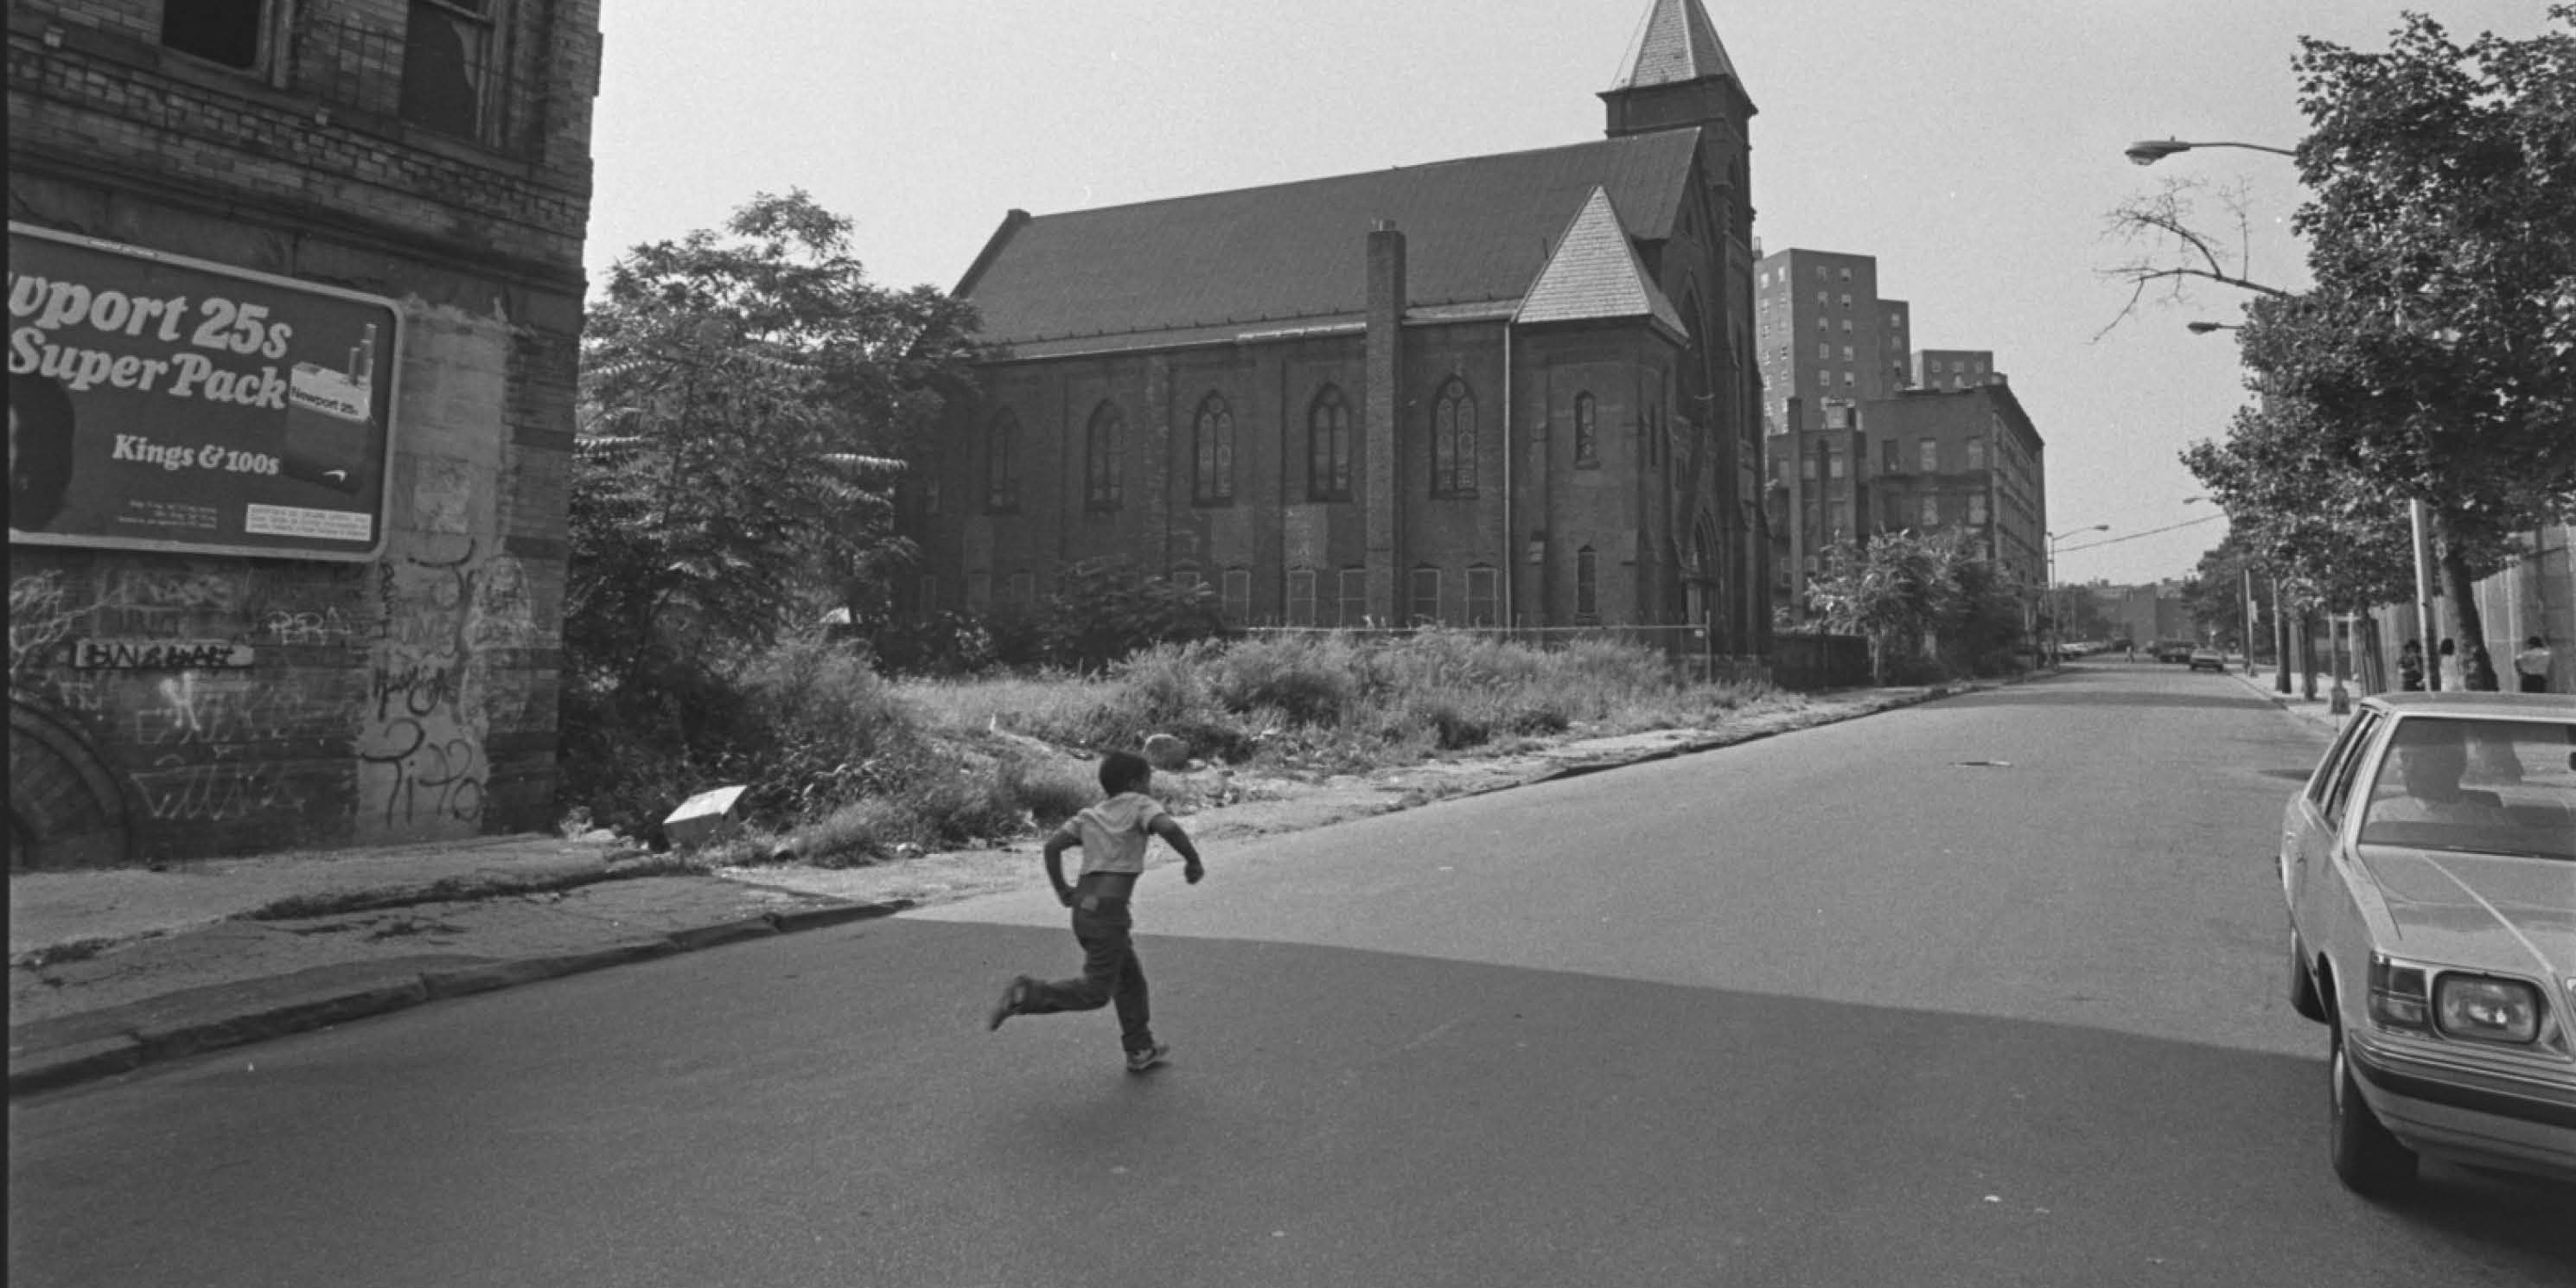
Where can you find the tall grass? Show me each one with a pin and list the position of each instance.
(854, 767)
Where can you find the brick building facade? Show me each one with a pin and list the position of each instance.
(178, 689)
(1508, 389)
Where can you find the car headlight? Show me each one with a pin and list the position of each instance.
(2486, 1008)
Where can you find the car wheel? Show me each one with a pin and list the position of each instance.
(2367, 1159)
(2303, 987)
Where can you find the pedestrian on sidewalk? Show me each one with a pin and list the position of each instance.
(2481, 671)
(1112, 835)
(2532, 664)
(2448, 656)
(2410, 667)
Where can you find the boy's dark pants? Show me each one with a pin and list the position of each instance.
(1110, 973)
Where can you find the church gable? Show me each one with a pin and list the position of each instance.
(1594, 275)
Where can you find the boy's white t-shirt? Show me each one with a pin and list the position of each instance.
(1114, 832)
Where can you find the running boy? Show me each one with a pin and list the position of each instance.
(1112, 835)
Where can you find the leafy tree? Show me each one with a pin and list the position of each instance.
(1919, 600)
(748, 400)
(2435, 357)
(2298, 514)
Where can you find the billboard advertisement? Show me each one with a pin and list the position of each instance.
(164, 403)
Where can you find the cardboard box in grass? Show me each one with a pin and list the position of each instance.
(707, 816)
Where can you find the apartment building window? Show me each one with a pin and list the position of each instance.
(1846, 326)
(1587, 581)
(1352, 593)
(1328, 447)
(1822, 326)
(1848, 381)
(1846, 299)
(1587, 443)
(448, 57)
(1888, 457)
(1847, 353)
(1806, 466)
(1824, 350)
(1453, 441)
(1977, 510)
(1104, 456)
(1929, 455)
(1481, 604)
(1235, 600)
(1212, 441)
(1301, 596)
(1823, 297)
(229, 32)
(1895, 510)
(1846, 274)
(1001, 466)
(1820, 272)
(1423, 600)
(1838, 520)
(1976, 453)
(1833, 464)
(1895, 323)
(1766, 277)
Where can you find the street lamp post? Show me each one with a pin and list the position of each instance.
(2150, 151)
(2056, 616)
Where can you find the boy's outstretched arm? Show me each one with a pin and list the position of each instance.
(1169, 828)
(1063, 840)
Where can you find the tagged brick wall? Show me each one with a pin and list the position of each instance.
(411, 696)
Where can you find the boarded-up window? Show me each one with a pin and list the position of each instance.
(1237, 605)
(1301, 596)
(1354, 597)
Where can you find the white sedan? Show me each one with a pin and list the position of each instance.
(2430, 870)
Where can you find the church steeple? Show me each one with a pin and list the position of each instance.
(1677, 74)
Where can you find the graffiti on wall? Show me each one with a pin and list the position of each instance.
(432, 689)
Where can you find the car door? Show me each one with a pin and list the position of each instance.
(2316, 815)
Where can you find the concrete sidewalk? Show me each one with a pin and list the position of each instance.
(2318, 710)
(113, 969)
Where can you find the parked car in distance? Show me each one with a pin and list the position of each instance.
(2173, 650)
(2429, 866)
(2208, 659)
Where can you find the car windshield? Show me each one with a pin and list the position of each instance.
(2478, 786)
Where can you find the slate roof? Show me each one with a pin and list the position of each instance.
(1218, 265)
(1595, 274)
(1678, 43)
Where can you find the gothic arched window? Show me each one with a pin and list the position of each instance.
(1328, 447)
(1212, 452)
(1104, 453)
(1453, 441)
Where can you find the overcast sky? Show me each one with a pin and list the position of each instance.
(1973, 147)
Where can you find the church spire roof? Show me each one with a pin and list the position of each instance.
(1676, 44)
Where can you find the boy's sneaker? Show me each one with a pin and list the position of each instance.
(1140, 1061)
(1012, 997)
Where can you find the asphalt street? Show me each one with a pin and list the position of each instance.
(1979, 992)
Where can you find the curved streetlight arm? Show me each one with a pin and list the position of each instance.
(2150, 151)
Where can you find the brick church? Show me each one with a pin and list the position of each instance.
(1515, 389)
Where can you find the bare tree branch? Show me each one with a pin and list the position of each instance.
(2168, 248)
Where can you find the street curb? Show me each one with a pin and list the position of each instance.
(1563, 772)
(283, 1007)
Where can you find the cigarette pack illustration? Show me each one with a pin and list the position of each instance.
(330, 419)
